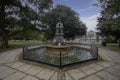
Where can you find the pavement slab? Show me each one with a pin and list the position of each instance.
(96, 67)
(106, 76)
(29, 78)
(6, 73)
(110, 55)
(68, 77)
(2, 68)
(117, 66)
(87, 70)
(55, 76)
(33, 70)
(61, 75)
(24, 67)
(92, 77)
(10, 56)
(15, 64)
(76, 74)
(45, 74)
(114, 71)
(105, 64)
(16, 76)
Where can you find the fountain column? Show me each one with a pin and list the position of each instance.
(59, 39)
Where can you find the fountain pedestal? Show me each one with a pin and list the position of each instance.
(59, 39)
(59, 42)
(53, 49)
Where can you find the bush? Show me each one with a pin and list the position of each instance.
(110, 39)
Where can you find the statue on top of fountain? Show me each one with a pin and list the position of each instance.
(59, 39)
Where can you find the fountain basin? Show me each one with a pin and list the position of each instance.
(60, 55)
(54, 49)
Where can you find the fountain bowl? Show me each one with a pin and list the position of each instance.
(55, 49)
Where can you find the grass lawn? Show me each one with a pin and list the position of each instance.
(10, 48)
(14, 44)
(111, 46)
(22, 42)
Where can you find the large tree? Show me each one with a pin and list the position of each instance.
(20, 15)
(70, 19)
(109, 20)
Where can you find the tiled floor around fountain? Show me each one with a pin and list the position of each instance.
(12, 69)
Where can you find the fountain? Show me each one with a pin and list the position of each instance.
(60, 53)
(58, 41)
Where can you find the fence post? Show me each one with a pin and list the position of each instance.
(25, 50)
(60, 60)
(97, 53)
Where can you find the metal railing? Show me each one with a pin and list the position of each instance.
(73, 55)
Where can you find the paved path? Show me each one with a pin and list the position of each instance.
(12, 69)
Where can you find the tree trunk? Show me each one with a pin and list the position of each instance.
(119, 43)
(4, 43)
(4, 37)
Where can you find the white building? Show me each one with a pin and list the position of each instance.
(90, 37)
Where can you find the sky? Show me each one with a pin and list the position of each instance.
(87, 12)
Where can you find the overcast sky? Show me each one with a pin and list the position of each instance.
(87, 12)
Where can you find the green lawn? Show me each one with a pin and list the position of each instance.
(13, 44)
(22, 42)
(111, 46)
(10, 48)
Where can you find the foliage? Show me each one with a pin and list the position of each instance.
(19, 16)
(70, 19)
(109, 20)
(110, 39)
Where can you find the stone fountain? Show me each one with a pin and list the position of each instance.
(58, 41)
(60, 53)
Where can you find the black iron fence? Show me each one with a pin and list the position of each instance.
(61, 57)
